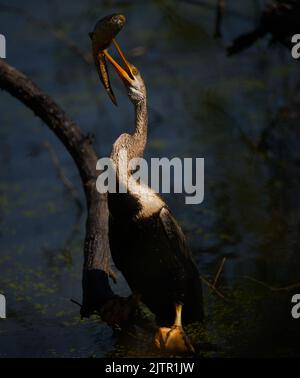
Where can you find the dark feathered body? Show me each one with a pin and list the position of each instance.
(146, 242)
(152, 253)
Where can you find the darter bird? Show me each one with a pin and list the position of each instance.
(146, 242)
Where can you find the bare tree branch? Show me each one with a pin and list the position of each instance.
(97, 257)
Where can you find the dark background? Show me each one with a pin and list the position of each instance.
(241, 114)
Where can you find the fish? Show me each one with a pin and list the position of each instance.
(102, 36)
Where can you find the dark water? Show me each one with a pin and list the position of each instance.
(202, 104)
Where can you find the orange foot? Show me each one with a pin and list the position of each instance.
(174, 340)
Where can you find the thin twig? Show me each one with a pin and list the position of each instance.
(219, 18)
(219, 272)
(77, 303)
(272, 288)
(212, 287)
(205, 4)
(80, 305)
(60, 173)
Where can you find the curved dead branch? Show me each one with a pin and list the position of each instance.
(97, 257)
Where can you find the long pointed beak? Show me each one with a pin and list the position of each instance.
(125, 73)
(104, 77)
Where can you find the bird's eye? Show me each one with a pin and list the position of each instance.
(134, 71)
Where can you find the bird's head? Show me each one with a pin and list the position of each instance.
(130, 76)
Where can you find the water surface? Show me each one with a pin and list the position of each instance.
(202, 104)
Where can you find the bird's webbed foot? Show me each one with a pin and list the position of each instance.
(174, 340)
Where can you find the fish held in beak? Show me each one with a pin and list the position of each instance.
(102, 36)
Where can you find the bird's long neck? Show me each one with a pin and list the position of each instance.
(132, 145)
(139, 137)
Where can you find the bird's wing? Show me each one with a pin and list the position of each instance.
(177, 255)
(174, 233)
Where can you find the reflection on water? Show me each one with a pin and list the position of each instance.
(240, 114)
